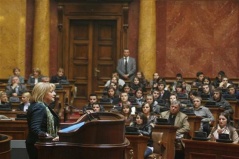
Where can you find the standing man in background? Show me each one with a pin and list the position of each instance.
(126, 66)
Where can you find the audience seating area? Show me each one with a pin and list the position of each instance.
(163, 136)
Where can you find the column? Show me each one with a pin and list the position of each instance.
(41, 40)
(147, 38)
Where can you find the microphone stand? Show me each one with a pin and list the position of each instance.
(65, 110)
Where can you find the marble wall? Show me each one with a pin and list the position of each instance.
(195, 35)
(12, 36)
(199, 35)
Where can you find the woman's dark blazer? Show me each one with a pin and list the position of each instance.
(31, 80)
(21, 107)
(37, 121)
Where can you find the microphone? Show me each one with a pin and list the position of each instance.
(72, 107)
(91, 117)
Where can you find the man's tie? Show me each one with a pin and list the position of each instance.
(16, 89)
(126, 65)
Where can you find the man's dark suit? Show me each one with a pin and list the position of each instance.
(131, 67)
(21, 89)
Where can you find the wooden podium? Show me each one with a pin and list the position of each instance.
(101, 136)
(194, 122)
(138, 144)
(5, 149)
(169, 136)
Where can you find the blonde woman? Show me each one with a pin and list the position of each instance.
(42, 120)
(25, 101)
(35, 77)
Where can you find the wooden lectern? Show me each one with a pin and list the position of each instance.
(5, 149)
(100, 137)
(138, 144)
(169, 136)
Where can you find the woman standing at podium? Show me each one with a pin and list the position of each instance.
(42, 120)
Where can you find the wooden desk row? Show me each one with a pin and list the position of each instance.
(210, 150)
(19, 130)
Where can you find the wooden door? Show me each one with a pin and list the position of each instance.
(92, 51)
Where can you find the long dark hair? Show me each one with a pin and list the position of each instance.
(144, 118)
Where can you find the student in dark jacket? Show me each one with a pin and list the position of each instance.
(144, 129)
(59, 77)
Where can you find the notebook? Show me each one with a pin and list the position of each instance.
(188, 111)
(21, 117)
(205, 96)
(162, 121)
(212, 104)
(229, 97)
(130, 130)
(5, 107)
(199, 135)
(224, 138)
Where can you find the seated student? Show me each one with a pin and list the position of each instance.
(205, 113)
(138, 98)
(218, 79)
(4, 99)
(173, 97)
(231, 90)
(16, 72)
(126, 112)
(116, 88)
(156, 96)
(198, 82)
(113, 81)
(120, 81)
(124, 99)
(224, 127)
(92, 99)
(97, 108)
(192, 94)
(156, 79)
(135, 84)
(59, 77)
(163, 94)
(224, 84)
(221, 102)
(177, 118)
(186, 86)
(145, 129)
(35, 77)
(16, 88)
(127, 89)
(207, 80)
(110, 97)
(142, 79)
(179, 77)
(180, 91)
(154, 104)
(206, 92)
(147, 110)
(25, 102)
